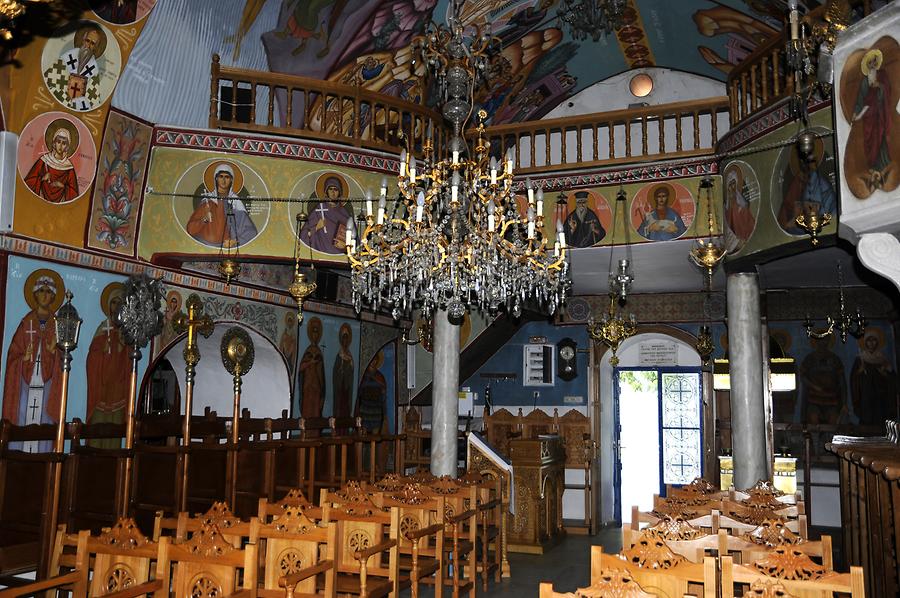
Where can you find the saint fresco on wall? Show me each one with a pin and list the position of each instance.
(376, 402)
(221, 213)
(81, 68)
(57, 157)
(327, 209)
(662, 211)
(121, 12)
(804, 185)
(589, 218)
(741, 204)
(869, 95)
(108, 367)
(312, 372)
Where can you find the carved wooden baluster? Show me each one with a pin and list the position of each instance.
(214, 93)
(547, 147)
(764, 76)
(340, 115)
(696, 117)
(565, 142)
(357, 125)
(714, 117)
(594, 129)
(644, 135)
(579, 156)
(289, 94)
(732, 102)
(745, 108)
(754, 99)
(627, 137)
(776, 73)
(253, 102)
(270, 117)
(612, 140)
(518, 150)
(305, 108)
(678, 143)
(662, 134)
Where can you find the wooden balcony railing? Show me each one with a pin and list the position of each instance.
(244, 100)
(763, 78)
(666, 131)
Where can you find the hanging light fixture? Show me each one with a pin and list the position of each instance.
(854, 325)
(455, 237)
(300, 288)
(594, 18)
(708, 254)
(614, 327)
(10, 10)
(229, 249)
(705, 346)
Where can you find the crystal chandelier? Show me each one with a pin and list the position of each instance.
(455, 237)
(614, 327)
(594, 18)
(707, 254)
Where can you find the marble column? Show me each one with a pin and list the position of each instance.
(748, 408)
(445, 397)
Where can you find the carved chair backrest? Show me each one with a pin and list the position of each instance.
(294, 498)
(737, 528)
(121, 558)
(610, 583)
(659, 568)
(681, 537)
(207, 565)
(757, 544)
(234, 530)
(292, 542)
(418, 511)
(793, 570)
(70, 554)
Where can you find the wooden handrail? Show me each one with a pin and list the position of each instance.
(316, 109)
(763, 78)
(558, 143)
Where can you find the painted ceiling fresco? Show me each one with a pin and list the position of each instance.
(366, 42)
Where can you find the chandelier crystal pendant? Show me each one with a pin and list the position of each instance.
(614, 326)
(454, 237)
(708, 253)
(591, 18)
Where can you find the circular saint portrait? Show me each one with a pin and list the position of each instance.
(588, 218)
(741, 204)
(805, 185)
(57, 157)
(869, 98)
(662, 211)
(327, 209)
(221, 212)
(81, 68)
(121, 12)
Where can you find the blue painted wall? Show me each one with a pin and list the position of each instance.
(509, 359)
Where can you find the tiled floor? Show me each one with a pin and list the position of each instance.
(566, 565)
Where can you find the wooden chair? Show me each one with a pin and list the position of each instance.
(737, 528)
(491, 519)
(461, 532)
(658, 570)
(208, 565)
(121, 560)
(421, 539)
(705, 523)
(682, 538)
(795, 572)
(294, 498)
(772, 534)
(297, 553)
(361, 531)
(610, 583)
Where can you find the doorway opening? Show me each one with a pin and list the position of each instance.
(658, 433)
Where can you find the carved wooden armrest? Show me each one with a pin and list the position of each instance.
(45, 584)
(138, 590)
(461, 517)
(493, 504)
(426, 531)
(289, 581)
(363, 555)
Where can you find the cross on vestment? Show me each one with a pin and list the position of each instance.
(88, 71)
(30, 332)
(107, 328)
(322, 210)
(72, 62)
(75, 87)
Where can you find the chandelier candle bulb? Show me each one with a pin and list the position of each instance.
(403, 163)
(560, 234)
(530, 191)
(454, 187)
(412, 170)
(491, 208)
(493, 171)
(383, 186)
(540, 203)
(794, 19)
(368, 204)
(420, 206)
(349, 240)
(381, 205)
(509, 162)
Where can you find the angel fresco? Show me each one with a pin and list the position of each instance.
(744, 33)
